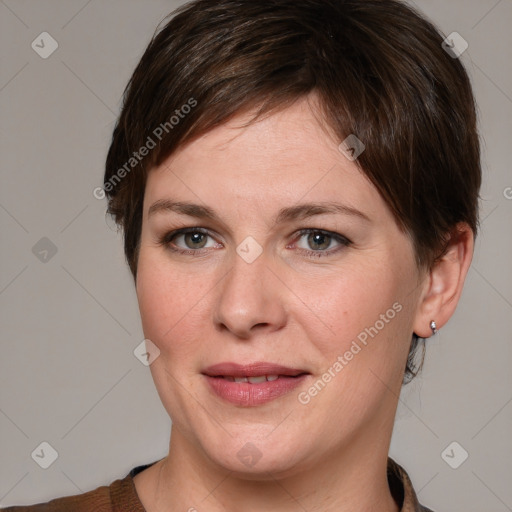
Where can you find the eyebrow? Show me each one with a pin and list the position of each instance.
(298, 212)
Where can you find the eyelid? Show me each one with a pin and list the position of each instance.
(336, 236)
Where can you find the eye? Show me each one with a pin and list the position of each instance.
(188, 240)
(311, 242)
(194, 239)
(318, 242)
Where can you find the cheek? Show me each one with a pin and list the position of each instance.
(365, 347)
(169, 303)
(351, 304)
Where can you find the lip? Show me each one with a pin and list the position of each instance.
(252, 394)
(251, 370)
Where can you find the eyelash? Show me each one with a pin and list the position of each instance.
(166, 240)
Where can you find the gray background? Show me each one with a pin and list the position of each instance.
(70, 324)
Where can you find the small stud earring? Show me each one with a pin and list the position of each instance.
(433, 327)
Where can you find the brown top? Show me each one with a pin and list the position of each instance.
(121, 496)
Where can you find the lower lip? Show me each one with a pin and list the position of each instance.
(251, 395)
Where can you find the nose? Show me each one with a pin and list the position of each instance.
(251, 299)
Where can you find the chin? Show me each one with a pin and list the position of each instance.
(259, 458)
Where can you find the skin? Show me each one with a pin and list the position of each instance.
(285, 308)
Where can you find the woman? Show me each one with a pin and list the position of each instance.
(298, 187)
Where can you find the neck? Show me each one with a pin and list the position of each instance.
(352, 478)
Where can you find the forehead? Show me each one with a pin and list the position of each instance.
(283, 158)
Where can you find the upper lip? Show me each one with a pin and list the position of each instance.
(250, 370)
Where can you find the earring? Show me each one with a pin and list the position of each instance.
(433, 327)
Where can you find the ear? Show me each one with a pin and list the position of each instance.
(444, 282)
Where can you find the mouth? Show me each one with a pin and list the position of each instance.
(252, 384)
(252, 380)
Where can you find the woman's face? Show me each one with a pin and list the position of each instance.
(292, 266)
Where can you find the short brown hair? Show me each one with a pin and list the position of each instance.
(378, 69)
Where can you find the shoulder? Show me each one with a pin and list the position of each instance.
(98, 500)
(109, 498)
(402, 489)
